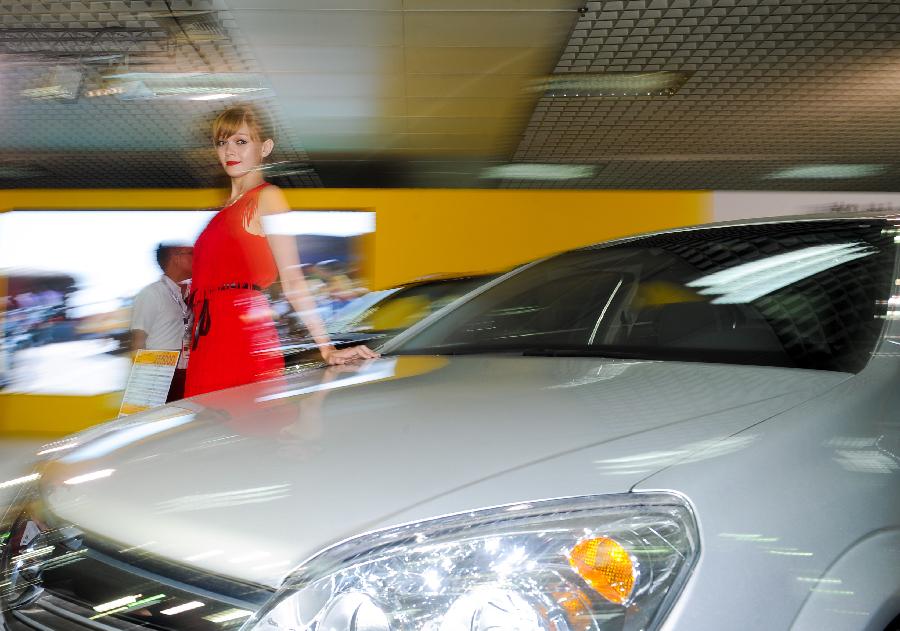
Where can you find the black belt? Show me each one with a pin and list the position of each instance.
(239, 286)
(204, 320)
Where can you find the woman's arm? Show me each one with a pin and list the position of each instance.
(272, 202)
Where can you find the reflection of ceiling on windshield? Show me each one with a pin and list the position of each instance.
(749, 281)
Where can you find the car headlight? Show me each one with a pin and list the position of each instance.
(578, 564)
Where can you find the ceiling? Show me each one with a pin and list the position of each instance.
(765, 94)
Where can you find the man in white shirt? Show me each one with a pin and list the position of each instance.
(160, 315)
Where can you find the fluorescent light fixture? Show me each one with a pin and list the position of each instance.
(118, 602)
(533, 171)
(155, 76)
(212, 97)
(749, 281)
(87, 477)
(612, 84)
(827, 172)
(228, 614)
(194, 604)
(184, 85)
(326, 223)
(17, 481)
(62, 83)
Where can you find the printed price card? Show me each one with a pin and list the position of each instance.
(149, 382)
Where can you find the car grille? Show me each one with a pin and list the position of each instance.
(92, 585)
(50, 613)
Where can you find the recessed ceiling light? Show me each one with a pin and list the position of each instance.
(531, 171)
(612, 84)
(827, 172)
(211, 97)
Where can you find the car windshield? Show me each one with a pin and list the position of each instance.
(799, 294)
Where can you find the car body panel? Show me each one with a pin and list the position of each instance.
(225, 478)
(827, 470)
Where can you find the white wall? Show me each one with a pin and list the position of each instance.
(729, 205)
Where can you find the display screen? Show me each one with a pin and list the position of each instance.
(71, 275)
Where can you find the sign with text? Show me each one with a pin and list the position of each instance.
(149, 382)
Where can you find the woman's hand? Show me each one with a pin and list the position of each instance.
(334, 357)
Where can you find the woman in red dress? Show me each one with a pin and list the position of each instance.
(234, 339)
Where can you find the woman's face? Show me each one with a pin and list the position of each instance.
(241, 153)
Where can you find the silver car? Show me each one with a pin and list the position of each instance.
(696, 429)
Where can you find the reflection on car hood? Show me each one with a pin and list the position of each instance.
(250, 481)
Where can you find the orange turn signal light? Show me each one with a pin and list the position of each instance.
(606, 566)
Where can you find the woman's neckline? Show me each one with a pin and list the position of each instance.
(233, 201)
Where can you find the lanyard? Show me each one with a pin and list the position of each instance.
(185, 318)
(181, 305)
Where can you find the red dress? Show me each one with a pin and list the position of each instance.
(234, 339)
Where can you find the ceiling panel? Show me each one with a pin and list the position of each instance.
(806, 82)
(465, 86)
(492, 5)
(322, 28)
(323, 107)
(350, 125)
(477, 28)
(464, 144)
(772, 85)
(329, 59)
(447, 75)
(289, 86)
(151, 132)
(477, 107)
(480, 60)
(446, 125)
(317, 5)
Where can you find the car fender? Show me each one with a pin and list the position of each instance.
(861, 589)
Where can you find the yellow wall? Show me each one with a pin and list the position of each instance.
(425, 231)
(421, 232)
(54, 415)
(418, 232)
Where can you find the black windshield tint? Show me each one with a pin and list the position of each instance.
(802, 294)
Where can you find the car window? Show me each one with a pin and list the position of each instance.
(800, 294)
(407, 306)
(348, 317)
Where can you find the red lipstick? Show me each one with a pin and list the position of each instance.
(231, 163)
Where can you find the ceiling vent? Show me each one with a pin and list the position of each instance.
(192, 26)
(535, 171)
(613, 84)
(85, 45)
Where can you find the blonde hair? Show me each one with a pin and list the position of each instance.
(229, 121)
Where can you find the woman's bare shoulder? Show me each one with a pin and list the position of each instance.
(272, 200)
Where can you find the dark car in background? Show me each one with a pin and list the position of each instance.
(378, 316)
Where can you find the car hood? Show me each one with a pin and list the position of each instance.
(248, 482)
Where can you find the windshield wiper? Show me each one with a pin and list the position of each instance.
(524, 351)
(648, 353)
(462, 349)
(582, 351)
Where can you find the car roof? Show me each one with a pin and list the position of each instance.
(827, 217)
